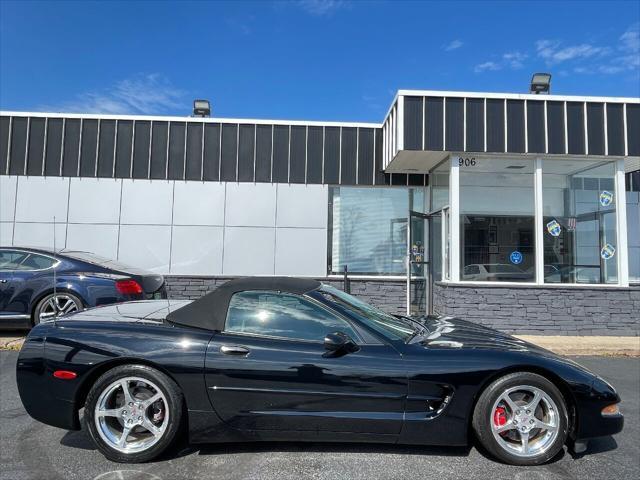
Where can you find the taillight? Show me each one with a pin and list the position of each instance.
(128, 287)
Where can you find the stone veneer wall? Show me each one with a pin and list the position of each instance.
(546, 311)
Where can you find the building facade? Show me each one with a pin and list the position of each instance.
(516, 211)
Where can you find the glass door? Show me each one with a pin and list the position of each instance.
(418, 271)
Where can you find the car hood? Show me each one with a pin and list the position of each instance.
(143, 310)
(450, 332)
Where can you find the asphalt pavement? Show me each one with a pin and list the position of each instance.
(31, 450)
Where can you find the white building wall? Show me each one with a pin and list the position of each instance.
(173, 227)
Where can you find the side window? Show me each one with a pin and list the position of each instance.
(282, 315)
(37, 262)
(11, 259)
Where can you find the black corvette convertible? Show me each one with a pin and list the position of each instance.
(293, 359)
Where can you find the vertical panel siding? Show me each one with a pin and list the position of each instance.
(106, 148)
(332, 155)
(229, 155)
(177, 138)
(535, 126)
(454, 113)
(595, 128)
(159, 152)
(475, 125)
(575, 128)
(246, 149)
(124, 147)
(380, 177)
(348, 157)
(280, 172)
(18, 145)
(433, 135)
(263, 152)
(615, 129)
(194, 151)
(71, 147)
(298, 154)
(314, 154)
(633, 129)
(89, 149)
(495, 125)
(365, 156)
(142, 136)
(211, 160)
(4, 144)
(36, 146)
(555, 127)
(54, 147)
(515, 126)
(413, 119)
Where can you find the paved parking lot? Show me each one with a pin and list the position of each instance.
(30, 450)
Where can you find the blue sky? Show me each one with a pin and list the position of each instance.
(308, 59)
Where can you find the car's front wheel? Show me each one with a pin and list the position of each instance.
(133, 413)
(521, 419)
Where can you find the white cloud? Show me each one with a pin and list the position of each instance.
(553, 52)
(320, 8)
(141, 94)
(515, 59)
(486, 66)
(453, 45)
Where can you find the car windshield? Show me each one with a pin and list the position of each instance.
(382, 322)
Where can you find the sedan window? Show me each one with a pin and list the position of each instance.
(37, 262)
(11, 259)
(282, 315)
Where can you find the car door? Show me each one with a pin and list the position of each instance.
(268, 370)
(10, 261)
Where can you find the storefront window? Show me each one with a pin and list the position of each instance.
(439, 182)
(497, 218)
(368, 229)
(579, 222)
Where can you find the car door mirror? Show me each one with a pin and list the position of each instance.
(339, 343)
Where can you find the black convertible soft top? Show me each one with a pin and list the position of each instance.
(210, 311)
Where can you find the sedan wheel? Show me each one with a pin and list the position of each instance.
(521, 419)
(56, 305)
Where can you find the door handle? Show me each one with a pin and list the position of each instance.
(234, 350)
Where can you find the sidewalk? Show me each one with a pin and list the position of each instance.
(563, 345)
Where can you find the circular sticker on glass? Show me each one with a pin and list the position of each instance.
(516, 257)
(606, 198)
(554, 228)
(608, 251)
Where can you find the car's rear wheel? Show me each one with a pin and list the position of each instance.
(133, 413)
(55, 305)
(521, 419)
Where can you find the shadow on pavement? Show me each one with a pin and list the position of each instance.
(597, 445)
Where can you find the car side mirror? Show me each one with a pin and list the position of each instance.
(338, 343)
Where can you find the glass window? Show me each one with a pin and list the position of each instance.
(497, 218)
(37, 262)
(368, 230)
(11, 259)
(282, 315)
(439, 181)
(579, 221)
(633, 234)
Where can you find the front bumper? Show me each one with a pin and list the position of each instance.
(591, 422)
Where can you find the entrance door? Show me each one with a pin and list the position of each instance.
(418, 267)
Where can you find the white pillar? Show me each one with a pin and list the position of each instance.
(454, 217)
(621, 231)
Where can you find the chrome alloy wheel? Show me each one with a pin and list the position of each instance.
(59, 304)
(131, 414)
(525, 421)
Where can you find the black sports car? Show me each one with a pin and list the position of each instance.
(82, 279)
(293, 359)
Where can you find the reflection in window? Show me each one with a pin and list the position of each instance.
(497, 218)
(281, 315)
(579, 222)
(368, 229)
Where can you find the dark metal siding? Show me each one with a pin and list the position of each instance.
(106, 143)
(454, 113)
(4, 144)
(495, 125)
(413, 118)
(142, 137)
(18, 145)
(89, 148)
(332, 155)
(246, 151)
(515, 126)
(159, 144)
(365, 156)
(263, 152)
(315, 137)
(555, 127)
(194, 151)
(475, 125)
(615, 129)
(595, 128)
(280, 173)
(298, 154)
(380, 177)
(71, 147)
(211, 160)
(575, 128)
(124, 144)
(433, 134)
(36, 146)
(53, 152)
(177, 137)
(535, 126)
(348, 156)
(229, 153)
(633, 130)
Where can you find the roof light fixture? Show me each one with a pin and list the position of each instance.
(541, 83)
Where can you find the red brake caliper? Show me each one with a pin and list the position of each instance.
(500, 417)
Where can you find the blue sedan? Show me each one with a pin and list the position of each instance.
(82, 280)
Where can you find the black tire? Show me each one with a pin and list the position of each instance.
(483, 417)
(35, 319)
(174, 399)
